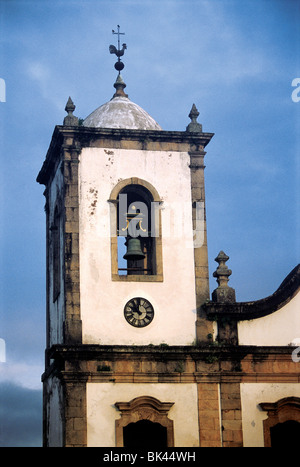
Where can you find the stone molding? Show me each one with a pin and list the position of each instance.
(285, 409)
(72, 326)
(144, 408)
(204, 327)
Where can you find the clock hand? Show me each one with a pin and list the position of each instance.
(137, 309)
(139, 305)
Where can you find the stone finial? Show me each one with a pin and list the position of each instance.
(120, 86)
(70, 119)
(223, 293)
(194, 126)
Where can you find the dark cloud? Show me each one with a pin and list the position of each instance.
(20, 416)
(235, 64)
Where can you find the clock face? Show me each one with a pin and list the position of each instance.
(139, 312)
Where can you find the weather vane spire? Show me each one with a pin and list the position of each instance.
(119, 65)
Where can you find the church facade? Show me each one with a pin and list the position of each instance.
(139, 353)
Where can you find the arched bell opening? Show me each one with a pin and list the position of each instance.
(136, 232)
(134, 229)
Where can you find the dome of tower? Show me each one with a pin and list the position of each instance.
(121, 112)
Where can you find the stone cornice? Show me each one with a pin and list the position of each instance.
(194, 139)
(172, 364)
(114, 352)
(75, 138)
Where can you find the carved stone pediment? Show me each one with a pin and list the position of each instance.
(144, 408)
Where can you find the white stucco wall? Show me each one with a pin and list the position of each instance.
(279, 328)
(101, 413)
(103, 300)
(253, 394)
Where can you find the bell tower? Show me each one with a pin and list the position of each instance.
(127, 274)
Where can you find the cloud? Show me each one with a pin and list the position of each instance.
(45, 79)
(26, 375)
(20, 416)
(39, 72)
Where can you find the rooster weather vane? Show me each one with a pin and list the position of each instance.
(117, 51)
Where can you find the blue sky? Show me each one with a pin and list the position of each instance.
(235, 60)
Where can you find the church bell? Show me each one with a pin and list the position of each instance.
(134, 249)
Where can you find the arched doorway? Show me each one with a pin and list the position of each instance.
(144, 423)
(145, 433)
(285, 434)
(282, 427)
